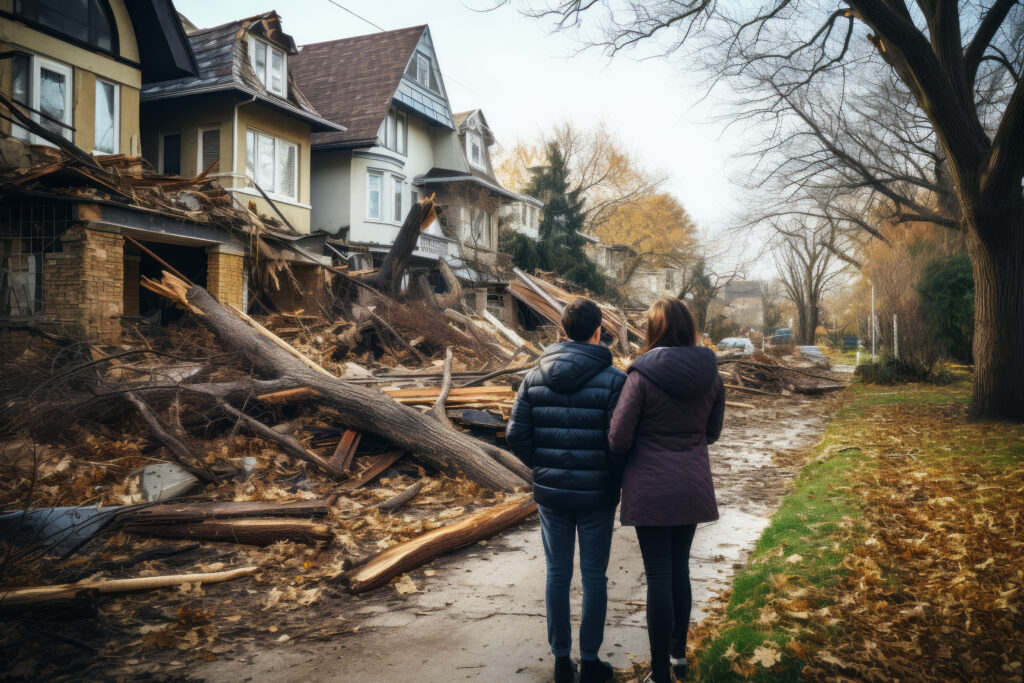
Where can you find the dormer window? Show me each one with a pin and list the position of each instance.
(394, 131)
(475, 150)
(421, 69)
(270, 64)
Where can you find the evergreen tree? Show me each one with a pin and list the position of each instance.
(560, 247)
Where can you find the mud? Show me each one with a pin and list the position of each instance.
(480, 612)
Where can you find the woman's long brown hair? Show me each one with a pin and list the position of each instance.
(670, 323)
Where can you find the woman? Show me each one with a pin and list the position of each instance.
(670, 409)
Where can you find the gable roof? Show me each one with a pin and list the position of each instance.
(222, 55)
(354, 80)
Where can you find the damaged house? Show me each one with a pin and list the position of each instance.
(403, 143)
(79, 69)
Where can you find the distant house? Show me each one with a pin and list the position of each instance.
(639, 282)
(243, 114)
(523, 216)
(742, 304)
(403, 143)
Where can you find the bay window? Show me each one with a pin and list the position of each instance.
(108, 115)
(270, 64)
(272, 163)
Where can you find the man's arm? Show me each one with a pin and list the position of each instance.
(519, 433)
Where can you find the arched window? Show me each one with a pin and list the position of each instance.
(84, 21)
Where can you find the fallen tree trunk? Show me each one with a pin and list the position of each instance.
(389, 277)
(398, 500)
(412, 554)
(86, 589)
(362, 409)
(249, 531)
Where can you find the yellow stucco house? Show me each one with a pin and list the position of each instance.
(242, 117)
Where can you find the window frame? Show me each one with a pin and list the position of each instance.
(380, 195)
(160, 151)
(395, 126)
(471, 137)
(422, 59)
(266, 77)
(117, 116)
(104, 7)
(36, 64)
(397, 193)
(279, 144)
(199, 148)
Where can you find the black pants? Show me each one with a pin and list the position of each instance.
(666, 552)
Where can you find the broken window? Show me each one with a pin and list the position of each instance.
(27, 232)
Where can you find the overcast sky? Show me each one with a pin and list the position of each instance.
(525, 79)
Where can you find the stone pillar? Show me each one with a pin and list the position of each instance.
(225, 273)
(83, 285)
(131, 280)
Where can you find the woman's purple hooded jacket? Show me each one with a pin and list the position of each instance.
(670, 409)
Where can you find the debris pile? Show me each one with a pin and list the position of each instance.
(762, 374)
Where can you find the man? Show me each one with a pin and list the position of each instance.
(559, 427)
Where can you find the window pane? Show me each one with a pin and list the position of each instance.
(53, 99)
(373, 182)
(260, 58)
(286, 168)
(423, 70)
(276, 71)
(106, 124)
(402, 128)
(250, 154)
(392, 135)
(265, 163)
(19, 87)
(211, 149)
(172, 154)
(397, 190)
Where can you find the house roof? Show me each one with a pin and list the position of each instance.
(444, 175)
(222, 54)
(354, 80)
(164, 51)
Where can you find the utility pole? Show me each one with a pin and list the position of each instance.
(895, 339)
(873, 324)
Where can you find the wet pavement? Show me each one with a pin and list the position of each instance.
(480, 612)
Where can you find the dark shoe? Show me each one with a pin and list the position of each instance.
(565, 670)
(679, 668)
(595, 671)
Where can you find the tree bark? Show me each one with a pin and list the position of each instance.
(997, 259)
(389, 277)
(365, 410)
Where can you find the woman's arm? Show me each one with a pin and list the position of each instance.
(717, 414)
(626, 417)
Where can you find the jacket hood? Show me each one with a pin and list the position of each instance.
(682, 372)
(567, 366)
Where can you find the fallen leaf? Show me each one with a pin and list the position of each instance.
(766, 657)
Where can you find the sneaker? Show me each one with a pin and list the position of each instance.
(679, 668)
(595, 671)
(565, 670)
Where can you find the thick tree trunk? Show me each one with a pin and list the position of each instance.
(997, 258)
(364, 409)
(389, 277)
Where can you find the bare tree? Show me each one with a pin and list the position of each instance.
(807, 267)
(960, 61)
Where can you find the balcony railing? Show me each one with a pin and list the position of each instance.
(432, 244)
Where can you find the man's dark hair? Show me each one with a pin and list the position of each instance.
(580, 318)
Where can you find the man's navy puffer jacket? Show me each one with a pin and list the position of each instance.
(559, 427)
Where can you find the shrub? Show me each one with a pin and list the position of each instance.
(946, 289)
(889, 370)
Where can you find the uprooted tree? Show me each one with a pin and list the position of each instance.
(941, 51)
(366, 410)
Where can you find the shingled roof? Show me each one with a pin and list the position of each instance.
(354, 80)
(222, 55)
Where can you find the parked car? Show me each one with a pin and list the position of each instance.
(783, 335)
(736, 343)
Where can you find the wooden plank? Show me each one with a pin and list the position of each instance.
(176, 513)
(249, 531)
(412, 554)
(289, 395)
(378, 464)
(509, 334)
(346, 450)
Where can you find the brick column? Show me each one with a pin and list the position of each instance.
(225, 273)
(131, 281)
(83, 285)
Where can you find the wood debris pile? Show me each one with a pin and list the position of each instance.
(763, 374)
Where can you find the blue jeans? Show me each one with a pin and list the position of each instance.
(559, 529)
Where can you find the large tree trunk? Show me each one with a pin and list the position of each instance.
(389, 277)
(364, 409)
(997, 258)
